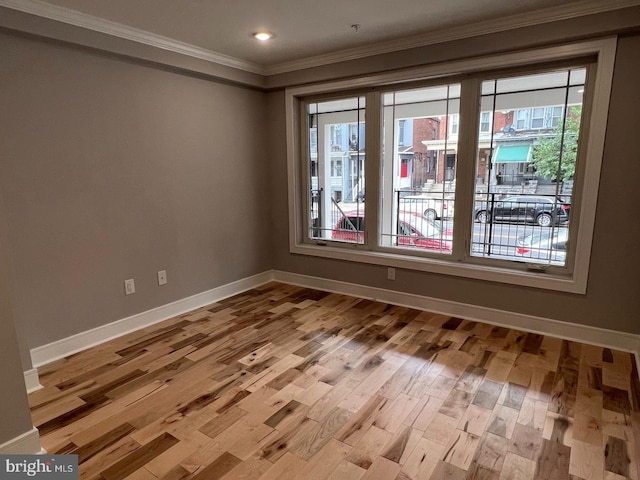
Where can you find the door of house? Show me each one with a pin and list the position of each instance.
(449, 167)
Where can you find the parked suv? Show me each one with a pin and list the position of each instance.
(533, 209)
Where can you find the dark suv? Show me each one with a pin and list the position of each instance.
(526, 208)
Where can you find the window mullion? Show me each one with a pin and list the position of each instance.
(373, 169)
(465, 180)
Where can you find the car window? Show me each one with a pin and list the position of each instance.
(404, 229)
(560, 246)
(348, 223)
(536, 238)
(422, 227)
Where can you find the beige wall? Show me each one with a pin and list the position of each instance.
(16, 419)
(612, 299)
(113, 170)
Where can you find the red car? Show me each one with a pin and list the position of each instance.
(413, 231)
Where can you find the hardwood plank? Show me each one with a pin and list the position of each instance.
(164, 463)
(487, 394)
(441, 429)
(553, 461)
(138, 458)
(474, 420)
(526, 442)
(456, 403)
(517, 468)
(347, 471)
(222, 465)
(217, 425)
(586, 461)
(325, 462)
(401, 445)
(88, 450)
(250, 469)
(244, 438)
(446, 471)
(503, 421)
(491, 452)
(308, 443)
(461, 449)
(282, 414)
(617, 457)
(286, 468)
(107, 457)
(382, 468)
(533, 413)
(423, 460)
(369, 447)
(514, 395)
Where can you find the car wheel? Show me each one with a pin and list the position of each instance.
(430, 214)
(483, 216)
(544, 220)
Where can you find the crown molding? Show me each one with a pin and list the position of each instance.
(89, 22)
(83, 20)
(551, 14)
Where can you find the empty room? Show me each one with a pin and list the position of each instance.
(321, 240)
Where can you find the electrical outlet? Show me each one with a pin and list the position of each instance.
(129, 287)
(162, 277)
(391, 273)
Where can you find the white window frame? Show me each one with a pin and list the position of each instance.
(401, 131)
(540, 119)
(517, 118)
(455, 124)
(489, 122)
(574, 280)
(558, 117)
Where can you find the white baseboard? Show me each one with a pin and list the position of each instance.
(28, 443)
(570, 331)
(81, 341)
(623, 341)
(31, 380)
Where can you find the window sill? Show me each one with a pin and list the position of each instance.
(535, 279)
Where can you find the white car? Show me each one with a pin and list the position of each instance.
(544, 247)
(430, 207)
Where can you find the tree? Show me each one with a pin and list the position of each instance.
(546, 155)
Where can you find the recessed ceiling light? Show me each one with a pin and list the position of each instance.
(263, 36)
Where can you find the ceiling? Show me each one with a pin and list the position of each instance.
(311, 29)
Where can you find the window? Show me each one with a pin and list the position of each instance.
(336, 167)
(401, 178)
(453, 129)
(485, 122)
(503, 181)
(401, 132)
(556, 116)
(522, 119)
(537, 118)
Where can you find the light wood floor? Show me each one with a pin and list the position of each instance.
(283, 382)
